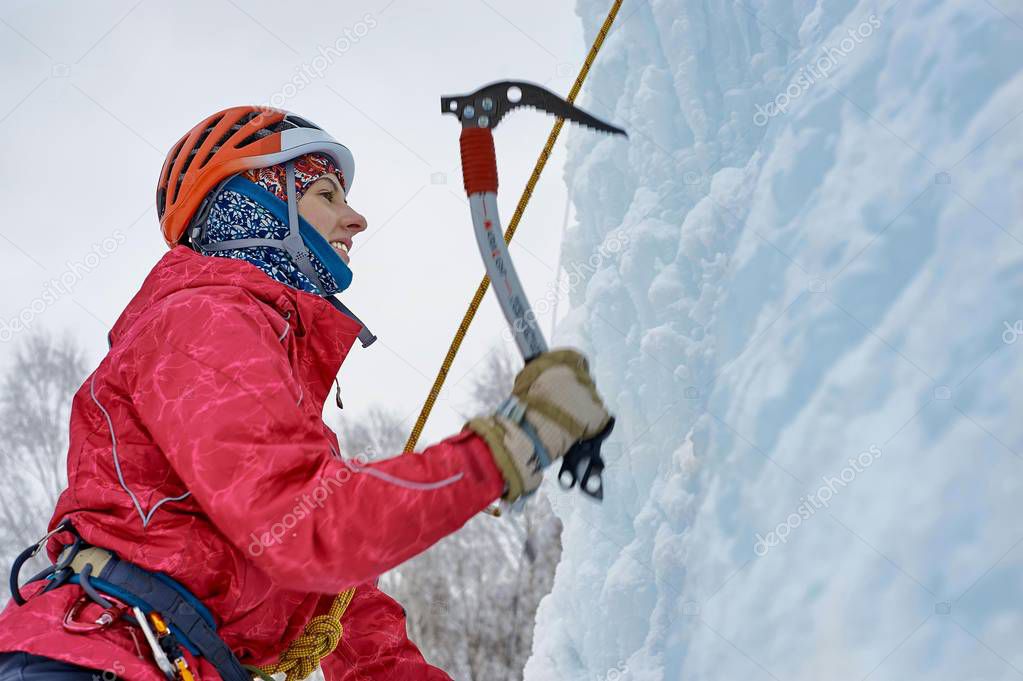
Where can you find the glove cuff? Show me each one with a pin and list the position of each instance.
(492, 433)
(516, 446)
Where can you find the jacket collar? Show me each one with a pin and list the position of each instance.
(324, 334)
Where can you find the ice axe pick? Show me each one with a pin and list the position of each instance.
(480, 112)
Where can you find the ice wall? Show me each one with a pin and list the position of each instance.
(800, 282)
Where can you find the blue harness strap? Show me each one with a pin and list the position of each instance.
(186, 614)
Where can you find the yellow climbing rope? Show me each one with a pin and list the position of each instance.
(319, 639)
(323, 632)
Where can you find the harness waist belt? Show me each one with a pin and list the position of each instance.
(153, 591)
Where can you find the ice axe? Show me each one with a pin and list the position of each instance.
(480, 112)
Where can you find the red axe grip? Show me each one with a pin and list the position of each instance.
(479, 162)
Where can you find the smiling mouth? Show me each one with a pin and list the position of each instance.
(342, 247)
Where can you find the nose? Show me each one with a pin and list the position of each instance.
(354, 221)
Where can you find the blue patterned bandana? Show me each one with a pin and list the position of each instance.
(234, 216)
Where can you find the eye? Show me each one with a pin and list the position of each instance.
(329, 195)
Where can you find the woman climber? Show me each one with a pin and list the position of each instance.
(210, 517)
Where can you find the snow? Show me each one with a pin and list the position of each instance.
(799, 282)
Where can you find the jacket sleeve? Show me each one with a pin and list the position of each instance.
(213, 384)
(374, 643)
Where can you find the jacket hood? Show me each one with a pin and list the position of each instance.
(324, 333)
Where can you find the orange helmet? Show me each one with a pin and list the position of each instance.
(229, 142)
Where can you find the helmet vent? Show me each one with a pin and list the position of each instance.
(194, 150)
(223, 139)
(300, 122)
(264, 132)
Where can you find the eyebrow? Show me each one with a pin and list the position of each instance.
(333, 181)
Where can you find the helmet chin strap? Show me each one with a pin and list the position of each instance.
(301, 255)
(296, 247)
(293, 243)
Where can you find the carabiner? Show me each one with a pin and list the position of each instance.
(110, 614)
(29, 553)
(159, 655)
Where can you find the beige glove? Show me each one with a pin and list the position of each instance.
(553, 405)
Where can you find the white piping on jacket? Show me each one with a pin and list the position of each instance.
(146, 517)
(393, 479)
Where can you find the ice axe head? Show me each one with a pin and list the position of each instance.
(487, 106)
(481, 111)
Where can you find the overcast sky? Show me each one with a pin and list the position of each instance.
(96, 93)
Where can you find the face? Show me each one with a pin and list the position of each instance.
(323, 205)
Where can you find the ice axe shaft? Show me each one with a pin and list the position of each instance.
(479, 113)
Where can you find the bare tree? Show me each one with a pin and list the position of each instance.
(471, 598)
(35, 406)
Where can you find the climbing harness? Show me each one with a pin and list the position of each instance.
(170, 617)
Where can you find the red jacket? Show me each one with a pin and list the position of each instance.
(198, 449)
